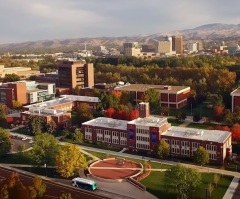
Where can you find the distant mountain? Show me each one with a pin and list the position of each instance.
(208, 32)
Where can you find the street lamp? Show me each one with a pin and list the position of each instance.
(45, 165)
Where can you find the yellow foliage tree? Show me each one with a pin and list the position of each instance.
(69, 160)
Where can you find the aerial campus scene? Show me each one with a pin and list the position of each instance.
(119, 99)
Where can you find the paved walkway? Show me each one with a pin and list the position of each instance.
(231, 189)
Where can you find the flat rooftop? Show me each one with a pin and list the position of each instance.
(145, 87)
(108, 123)
(44, 112)
(197, 134)
(63, 99)
(149, 121)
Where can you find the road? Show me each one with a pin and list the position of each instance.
(54, 189)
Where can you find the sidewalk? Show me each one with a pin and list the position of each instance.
(232, 188)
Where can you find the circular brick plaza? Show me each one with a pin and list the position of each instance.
(114, 169)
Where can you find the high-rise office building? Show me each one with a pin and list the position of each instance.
(72, 74)
(131, 49)
(177, 44)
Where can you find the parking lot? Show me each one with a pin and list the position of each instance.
(19, 143)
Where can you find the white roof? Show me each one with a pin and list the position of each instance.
(62, 100)
(198, 134)
(108, 123)
(81, 98)
(149, 121)
(84, 180)
(42, 111)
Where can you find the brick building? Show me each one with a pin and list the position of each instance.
(73, 74)
(145, 132)
(235, 98)
(26, 92)
(171, 96)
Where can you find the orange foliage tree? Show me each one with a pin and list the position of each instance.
(218, 113)
(134, 114)
(117, 93)
(109, 112)
(236, 131)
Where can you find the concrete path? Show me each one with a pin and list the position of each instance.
(124, 149)
(231, 189)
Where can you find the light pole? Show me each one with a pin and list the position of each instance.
(45, 165)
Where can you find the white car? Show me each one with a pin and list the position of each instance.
(24, 138)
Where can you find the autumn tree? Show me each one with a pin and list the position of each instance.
(51, 127)
(16, 105)
(109, 112)
(44, 149)
(84, 113)
(66, 196)
(77, 136)
(184, 180)
(69, 160)
(134, 114)
(37, 188)
(3, 110)
(5, 144)
(13, 187)
(235, 131)
(201, 156)
(218, 113)
(162, 149)
(164, 110)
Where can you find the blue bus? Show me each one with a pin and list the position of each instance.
(84, 184)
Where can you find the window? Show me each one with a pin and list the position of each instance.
(175, 143)
(89, 130)
(195, 146)
(175, 150)
(211, 147)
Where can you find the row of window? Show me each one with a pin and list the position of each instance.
(195, 145)
(142, 146)
(108, 132)
(142, 131)
(145, 139)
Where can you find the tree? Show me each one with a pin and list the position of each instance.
(3, 110)
(77, 136)
(11, 78)
(37, 189)
(13, 187)
(184, 180)
(235, 131)
(109, 112)
(69, 160)
(5, 144)
(84, 113)
(36, 124)
(162, 149)
(218, 113)
(216, 179)
(210, 189)
(16, 105)
(134, 114)
(201, 156)
(164, 110)
(154, 101)
(51, 127)
(44, 149)
(181, 116)
(66, 196)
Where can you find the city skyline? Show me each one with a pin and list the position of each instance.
(28, 21)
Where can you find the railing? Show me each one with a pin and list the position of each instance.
(136, 184)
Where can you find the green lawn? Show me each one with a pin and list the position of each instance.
(201, 126)
(174, 122)
(154, 183)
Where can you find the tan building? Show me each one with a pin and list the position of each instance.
(72, 74)
(177, 44)
(164, 47)
(22, 72)
(132, 49)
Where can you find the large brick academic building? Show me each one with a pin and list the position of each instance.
(145, 132)
(174, 97)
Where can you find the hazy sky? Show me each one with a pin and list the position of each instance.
(26, 20)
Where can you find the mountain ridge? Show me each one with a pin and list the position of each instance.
(207, 32)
